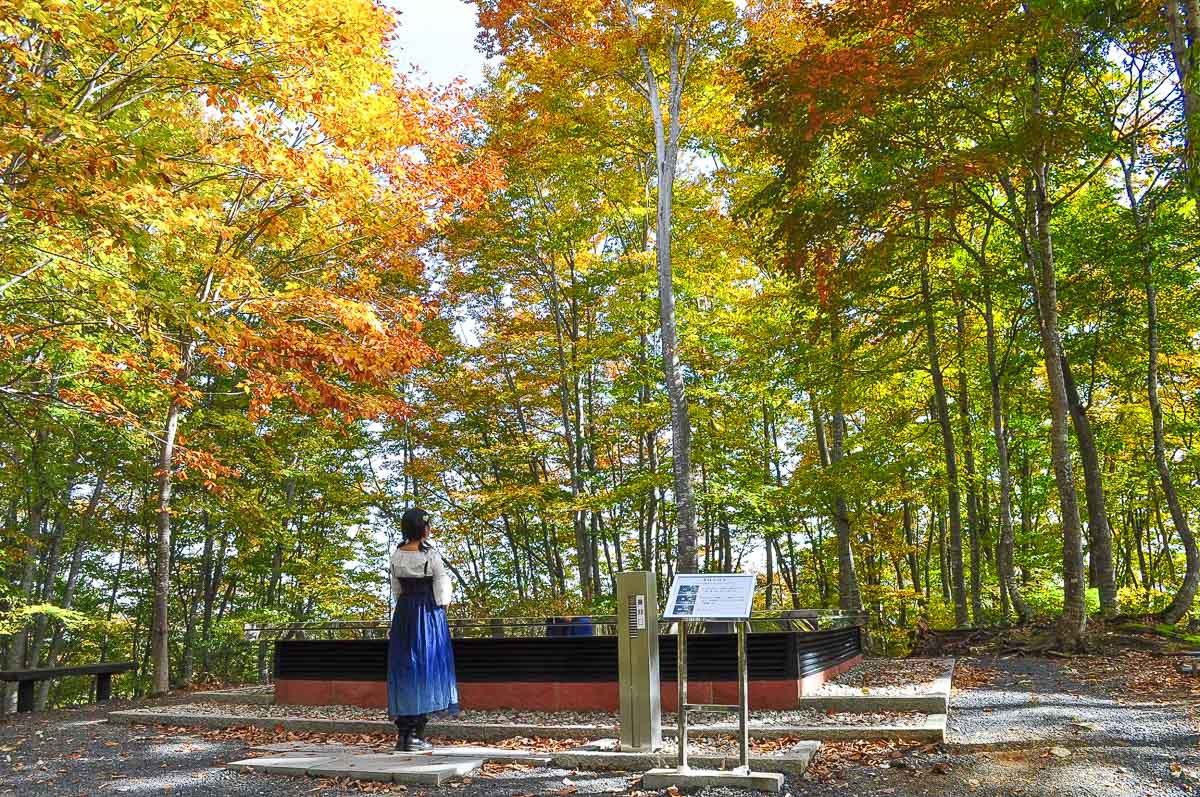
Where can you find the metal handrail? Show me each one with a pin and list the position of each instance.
(602, 625)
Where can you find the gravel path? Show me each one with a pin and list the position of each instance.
(1059, 733)
(1032, 702)
(1034, 727)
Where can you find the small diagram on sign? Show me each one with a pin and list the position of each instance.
(685, 601)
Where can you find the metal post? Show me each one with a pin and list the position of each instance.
(681, 681)
(637, 666)
(743, 698)
(103, 687)
(25, 695)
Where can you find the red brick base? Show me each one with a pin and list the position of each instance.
(558, 696)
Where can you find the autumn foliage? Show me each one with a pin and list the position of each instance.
(892, 301)
(217, 196)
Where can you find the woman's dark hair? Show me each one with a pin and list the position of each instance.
(414, 523)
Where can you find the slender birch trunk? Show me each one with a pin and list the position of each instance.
(957, 582)
(666, 148)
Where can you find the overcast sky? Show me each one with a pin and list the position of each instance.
(438, 37)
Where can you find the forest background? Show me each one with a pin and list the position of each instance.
(891, 302)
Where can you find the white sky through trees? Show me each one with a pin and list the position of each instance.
(438, 37)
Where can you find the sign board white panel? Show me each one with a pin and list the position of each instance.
(711, 596)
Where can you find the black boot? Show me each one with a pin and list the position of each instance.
(418, 743)
(404, 733)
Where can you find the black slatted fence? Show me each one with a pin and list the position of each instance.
(711, 657)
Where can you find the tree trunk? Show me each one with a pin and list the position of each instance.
(1099, 531)
(73, 572)
(943, 554)
(160, 652)
(1032, 212)
(968, 445)
(1138, 531)
(37, 508)
(666, 147)
(1142, 218)
(849, 598)
(1026, 507)
(1044, 286)
(1074, 616)
(570, 415)
(848, 594)
(928, 557)
(50, 578)
(1004, 549)
(1181, 603)
(1183, 32)
(913, 545)
(958, 585)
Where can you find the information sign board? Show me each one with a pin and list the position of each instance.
(711, 596)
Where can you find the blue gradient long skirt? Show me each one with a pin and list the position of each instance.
(420, 659)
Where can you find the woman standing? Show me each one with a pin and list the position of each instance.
(420, 659)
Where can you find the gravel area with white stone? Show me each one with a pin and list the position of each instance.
(599, 720)
(886, 677)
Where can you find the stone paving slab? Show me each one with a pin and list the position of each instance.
(286, 764)
(420, 769)
(495, 754)
(439, 770)
(369, 766)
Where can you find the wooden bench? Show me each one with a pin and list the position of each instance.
(27, 679)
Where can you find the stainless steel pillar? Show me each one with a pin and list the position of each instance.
(681, 681)
(637, 657)
(743, 698)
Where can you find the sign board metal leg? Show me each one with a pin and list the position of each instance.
(681, 738)
(725, 597)
(743, 699)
